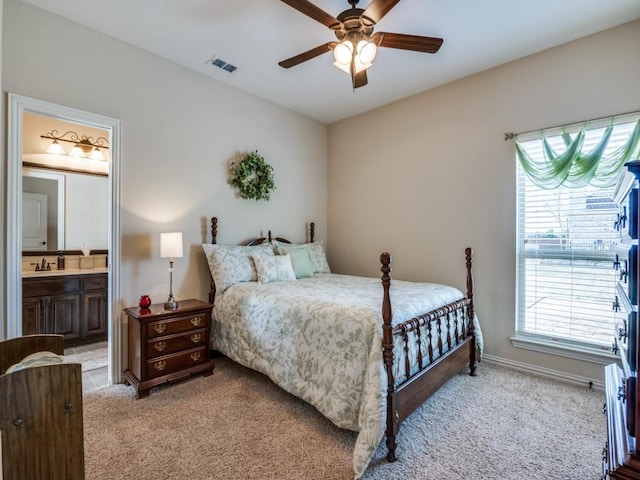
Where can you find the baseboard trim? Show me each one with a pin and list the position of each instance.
(545, 372)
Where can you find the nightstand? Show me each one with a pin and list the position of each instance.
(167, 345)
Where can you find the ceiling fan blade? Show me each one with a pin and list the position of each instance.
(407, 42)
(310, 10)
(378, 9)
(308, 55)
(359, 79)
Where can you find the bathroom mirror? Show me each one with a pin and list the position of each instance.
(64, 198)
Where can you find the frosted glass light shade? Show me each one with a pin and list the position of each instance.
(76, 151)
(171, 245)
(343, 52)
(96, 154)
(367, 51)
(55, 148)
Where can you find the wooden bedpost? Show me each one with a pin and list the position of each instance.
(471, 311)
(387, 355)
(214, 235)
(214, 229)
(312, 231)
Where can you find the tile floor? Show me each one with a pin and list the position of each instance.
(94, 360)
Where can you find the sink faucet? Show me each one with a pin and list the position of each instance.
(41, 267)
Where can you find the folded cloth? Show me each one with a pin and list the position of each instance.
(37, 359)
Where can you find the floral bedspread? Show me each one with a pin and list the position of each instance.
(320, 339)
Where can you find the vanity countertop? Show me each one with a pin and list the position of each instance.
(68, 271)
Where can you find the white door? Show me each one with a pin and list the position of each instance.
(34, 221)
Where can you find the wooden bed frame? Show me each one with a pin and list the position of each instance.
(432, 374)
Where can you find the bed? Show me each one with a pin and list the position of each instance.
(334, 340)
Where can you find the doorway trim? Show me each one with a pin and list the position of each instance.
(17, 106)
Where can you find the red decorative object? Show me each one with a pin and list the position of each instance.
(145, 301)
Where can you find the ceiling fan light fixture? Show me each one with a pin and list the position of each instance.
(366, 51)
(343, 53)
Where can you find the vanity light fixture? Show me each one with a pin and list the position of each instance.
(55, 148)
(171, 247)
(84, 146)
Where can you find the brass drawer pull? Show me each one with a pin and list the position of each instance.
(160, 365)
(195, 338)
(160, 327)
(195, 356)
(160, 346)
(195, 321)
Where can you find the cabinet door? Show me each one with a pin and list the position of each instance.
(33, 315)
(64, 315)
(94, 315)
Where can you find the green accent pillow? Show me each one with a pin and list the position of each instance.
(300, 260)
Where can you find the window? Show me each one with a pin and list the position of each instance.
(566, 246)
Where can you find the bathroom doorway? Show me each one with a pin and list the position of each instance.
(70, 245)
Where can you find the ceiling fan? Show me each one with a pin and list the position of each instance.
(357, 44)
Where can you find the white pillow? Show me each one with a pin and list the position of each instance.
(272, 268)
(231, 264)
(37, 359)
(316, 254)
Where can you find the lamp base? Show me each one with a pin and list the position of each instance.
(171, 303)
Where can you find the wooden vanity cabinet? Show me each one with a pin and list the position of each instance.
(71, 305)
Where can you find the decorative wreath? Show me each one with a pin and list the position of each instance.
(253, 177)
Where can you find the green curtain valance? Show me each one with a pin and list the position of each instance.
(574, 168)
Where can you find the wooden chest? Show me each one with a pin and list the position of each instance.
(167, 345)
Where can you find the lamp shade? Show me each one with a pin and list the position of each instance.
(55, 148)
(171, 245)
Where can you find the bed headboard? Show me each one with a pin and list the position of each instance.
(253, 241)
(259, 240)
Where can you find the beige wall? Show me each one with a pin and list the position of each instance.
(179, 131)
(432, 174)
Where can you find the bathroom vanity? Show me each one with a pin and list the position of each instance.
(72, 303)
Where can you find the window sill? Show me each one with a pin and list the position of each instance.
(587, 354)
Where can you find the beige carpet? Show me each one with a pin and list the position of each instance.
(237, 425)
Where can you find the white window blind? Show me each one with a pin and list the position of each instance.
(566, 246)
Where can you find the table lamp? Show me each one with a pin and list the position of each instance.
(171, 247)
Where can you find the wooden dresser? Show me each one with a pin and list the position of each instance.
(620, 457)
(167, 345)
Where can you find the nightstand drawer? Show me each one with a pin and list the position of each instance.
(177, 362)
(170, 326)
(174, 343)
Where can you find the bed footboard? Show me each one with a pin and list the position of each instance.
(424, 373)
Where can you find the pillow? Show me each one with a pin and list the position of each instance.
(300, 260)
(272, 268)
(37, 359)
(231, 264)
(315, 252)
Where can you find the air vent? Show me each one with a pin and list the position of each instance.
(218, 62)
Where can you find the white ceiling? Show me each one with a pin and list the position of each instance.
(254, 35)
